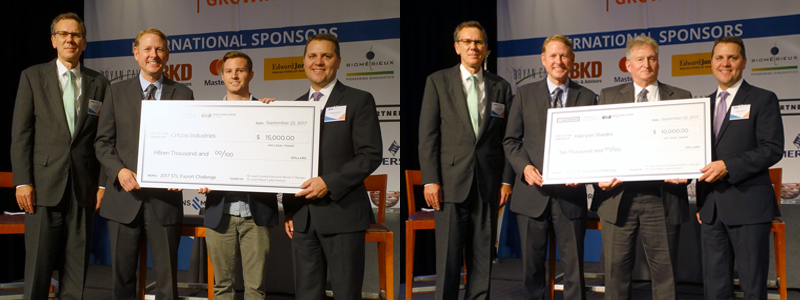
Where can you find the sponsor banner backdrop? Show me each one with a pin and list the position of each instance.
(685, 31)
(273, 34)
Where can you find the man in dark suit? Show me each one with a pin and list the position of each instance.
(131, 210)
(461, 127)
(650, 210)
(735, 200)
(55, 170)
(538, 207)
(238, 221)
(328, 219)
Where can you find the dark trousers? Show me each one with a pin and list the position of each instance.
(748, 246)
(465, 232)
(646, 219)
(534, 235)
(57, 238)
(163, 243)
(314, 254)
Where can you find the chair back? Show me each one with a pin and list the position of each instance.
(413, 177)
(775, 175)
(378, 183)
(6, 180)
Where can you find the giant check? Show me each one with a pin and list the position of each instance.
(630, 142)
(228, 145)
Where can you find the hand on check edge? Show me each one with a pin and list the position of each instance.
(313, 188)
(127, 179)
(609, 185)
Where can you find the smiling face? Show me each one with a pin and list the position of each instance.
(236, 76)
(152, 55)
(472, 48)
(558, 60)
(643, 65)
(69, 41)
(727, 64)
(320, 63)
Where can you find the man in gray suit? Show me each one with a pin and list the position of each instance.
(538, 207)
(55, 170)
(461, 130)
(650, 210)
(130, 209)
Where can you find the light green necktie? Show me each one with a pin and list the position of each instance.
(472, 103)
(69, 101)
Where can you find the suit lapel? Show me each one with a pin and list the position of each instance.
(741, 96)
(456, 90)
(166, 89)
(664, 92)
(627, 94)
(337, 94)
(490, 91)
(572, 95)
(87, 90)
(51, 86)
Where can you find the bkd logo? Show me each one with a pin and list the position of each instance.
(182, 72)
(591, 69)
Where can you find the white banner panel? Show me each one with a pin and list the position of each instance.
(272, 33)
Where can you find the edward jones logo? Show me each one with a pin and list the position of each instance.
(691, 64)
(282, 68)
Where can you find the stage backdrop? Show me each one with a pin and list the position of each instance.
(273, 34)
(685, 31)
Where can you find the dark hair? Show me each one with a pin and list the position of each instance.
(324, 37)
(235, 54)
(732, 40)
(466, 24)
(68, 16)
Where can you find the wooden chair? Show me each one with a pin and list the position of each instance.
(779, 235)
(380, 233)
(417, 220)
(192, 226)
(15, 224)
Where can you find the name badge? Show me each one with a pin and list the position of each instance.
(336, 113)
(95, 107)
(740, 112)
(498, 110)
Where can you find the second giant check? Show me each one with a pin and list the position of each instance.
(630, 142)
(228, 145)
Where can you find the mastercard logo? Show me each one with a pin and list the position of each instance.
(622, 66)
(215, 67)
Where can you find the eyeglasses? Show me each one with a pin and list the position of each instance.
(467, 42)
(65, 34)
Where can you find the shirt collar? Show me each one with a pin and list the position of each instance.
(466, 74)
(144, 83)
(63, 69)
(225, 98)
(326, 91)
(552, 86)
(731, 90)
(651, 90)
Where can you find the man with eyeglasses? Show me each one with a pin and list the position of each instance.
(648, 210)
(56, 173)
(463, 167)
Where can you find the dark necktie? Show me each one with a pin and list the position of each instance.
(557, 98)
(150, 92)
(722, 110)
(642, 96)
